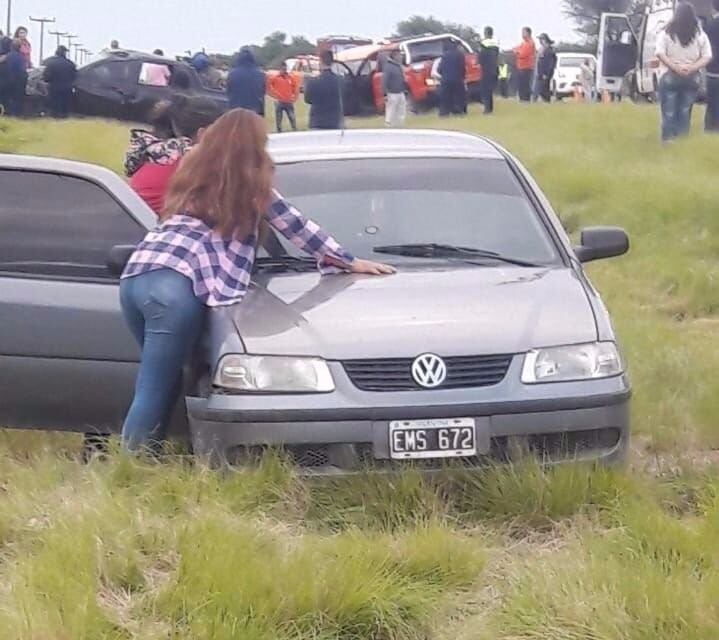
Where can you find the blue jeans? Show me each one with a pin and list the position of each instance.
(677, 95)
(166, 319)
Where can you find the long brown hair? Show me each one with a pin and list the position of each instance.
(226, 180)
(685, 25)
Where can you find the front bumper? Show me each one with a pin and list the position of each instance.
(349, 429)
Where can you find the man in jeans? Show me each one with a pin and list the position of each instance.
(712, 115)
(284, 89)
(394, 87)
(525, 58)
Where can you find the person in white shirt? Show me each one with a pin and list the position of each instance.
(683, 50)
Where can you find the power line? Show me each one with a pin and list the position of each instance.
(59, 34)
(43, 22)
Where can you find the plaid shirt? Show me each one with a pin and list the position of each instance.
(220, 269)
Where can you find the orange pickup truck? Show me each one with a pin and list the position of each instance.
(419, 55)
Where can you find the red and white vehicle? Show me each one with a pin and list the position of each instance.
(419, 56)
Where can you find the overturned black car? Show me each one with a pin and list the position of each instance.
(124, 85)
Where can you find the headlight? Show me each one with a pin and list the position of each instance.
(571, 363)
(274, 374)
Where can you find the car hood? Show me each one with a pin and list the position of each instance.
(452, 311)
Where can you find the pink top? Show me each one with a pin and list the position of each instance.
(157, 75)
(26, 51)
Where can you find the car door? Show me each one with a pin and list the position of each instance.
(107, 89)
(67, 361)
(617, 51)
(657, 16)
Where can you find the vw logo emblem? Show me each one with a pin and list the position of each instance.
(429, 371)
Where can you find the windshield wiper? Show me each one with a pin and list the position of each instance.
(285, 263)
(434, 250)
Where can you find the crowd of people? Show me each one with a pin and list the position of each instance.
(685, 49)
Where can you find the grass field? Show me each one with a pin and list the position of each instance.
(128, 549)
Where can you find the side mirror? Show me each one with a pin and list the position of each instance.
(601, 242)
(118, 257)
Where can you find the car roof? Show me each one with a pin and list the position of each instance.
(379, 143)
(130, 54)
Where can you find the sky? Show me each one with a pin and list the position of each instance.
(224, 25)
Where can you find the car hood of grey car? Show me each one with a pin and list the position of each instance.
(449, 311)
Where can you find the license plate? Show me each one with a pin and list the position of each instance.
(423, 439)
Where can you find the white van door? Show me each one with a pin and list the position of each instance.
(617, 51)
(658, 15)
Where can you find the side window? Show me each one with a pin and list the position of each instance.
(111, 72)
(56, 225)
(154, 75)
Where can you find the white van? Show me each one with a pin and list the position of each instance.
(627, 44)
(569, 73)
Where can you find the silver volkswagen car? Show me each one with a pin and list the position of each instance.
(489, 340)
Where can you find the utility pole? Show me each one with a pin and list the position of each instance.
(77, 47)
(9, 18)
(70, 38)
(43, 22)
(59, 34)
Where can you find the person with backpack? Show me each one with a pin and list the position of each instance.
(324, 95)
(683, 50)
(488, 59)
(59, 74)
(246, 83)
(546, 66)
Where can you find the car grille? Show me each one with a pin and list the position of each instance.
(395, 374)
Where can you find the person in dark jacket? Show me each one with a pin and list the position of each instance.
(60, 75)
(546, 66)
(489, 61)
(452, 88)
(5, 45)
(324, 95)
(17, 80)
(246, 83)
(711, 123)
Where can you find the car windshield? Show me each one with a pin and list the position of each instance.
(372, 204)
(571, 62)
(428, 49)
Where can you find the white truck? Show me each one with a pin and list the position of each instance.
(626, 46)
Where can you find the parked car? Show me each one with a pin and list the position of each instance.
(488, 339)
(569, 73)
(419, 55)
(124, 85)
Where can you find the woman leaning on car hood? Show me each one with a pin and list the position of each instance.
(201, 255)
